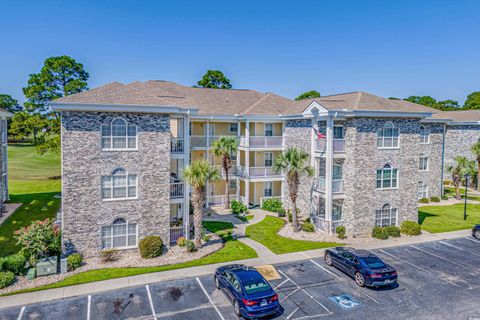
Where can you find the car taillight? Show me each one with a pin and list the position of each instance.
(274, 298)
(394, 273)
(376, 275)
(249, 303)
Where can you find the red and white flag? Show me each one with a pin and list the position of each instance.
(319, 134)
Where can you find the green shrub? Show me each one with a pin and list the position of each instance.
(14, 263)
(308, 227)
(6, 278)
(109, 255)
(444, 197)
(435, 199)
(150, 247)
(340, 231)
(281, 213)
(190, 245)
(410, 228)
(393, 231)
(448, 182)
(379, 233)
(238, 207)
(424, 200)
(74, 261)
(181, 241)
(272, 205)
(206, 238)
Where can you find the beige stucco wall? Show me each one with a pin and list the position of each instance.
(259, 189)
(257, 158)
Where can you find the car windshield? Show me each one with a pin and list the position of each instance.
(255, 286)
(374, 263)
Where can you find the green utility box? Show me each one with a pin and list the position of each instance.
(47, 266)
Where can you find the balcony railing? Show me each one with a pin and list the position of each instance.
(233, 171)
(175, 233)
(177, 145)
(262, 141)
(219, 200)
(198, 141)
(337, 185)
(325, 225)
(320, 145)
(176, 190)
(261, 172)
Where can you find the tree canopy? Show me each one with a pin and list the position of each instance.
(445, 105)
(59, 77)
(9, 104)
(473, 101)
(309, 95)
(214, 79)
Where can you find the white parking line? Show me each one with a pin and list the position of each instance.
(209, 299)
(280, 284)
(20, 315)
(89, 302)
(442, 258)
(474, 240)
(151, 302)
(418, 267)
(458, 248)
(325, 269)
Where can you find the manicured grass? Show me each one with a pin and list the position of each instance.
(450, 191)
(232, 250)
(30, 182)
(448, 218)
(266, 230)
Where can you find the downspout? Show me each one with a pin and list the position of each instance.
(443, 159)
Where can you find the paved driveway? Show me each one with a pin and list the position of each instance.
(437, 280)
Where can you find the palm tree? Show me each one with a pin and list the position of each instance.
(196, 175)
(476, 151)
(295, 163)
(458, 172)
(224, 147)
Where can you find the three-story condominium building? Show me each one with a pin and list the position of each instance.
(124, 148)
(4, 115)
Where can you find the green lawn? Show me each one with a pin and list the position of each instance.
(450, 191)
(232, 250)
(32, 180)
(448, 218)
(266, 230)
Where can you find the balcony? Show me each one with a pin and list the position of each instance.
(177, 145)
(337, 185)
(320, 145)
(219, 200)
(326, 225)
(201, 141)
(177, 190)
(257, 172)
(262, 141)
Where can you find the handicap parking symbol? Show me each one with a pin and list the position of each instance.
(344, 301)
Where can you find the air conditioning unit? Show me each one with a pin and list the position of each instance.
(47, 266)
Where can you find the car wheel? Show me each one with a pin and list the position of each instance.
(217, 283)
(477, 234)
(359, 279)
(328, 259)
(236, 308)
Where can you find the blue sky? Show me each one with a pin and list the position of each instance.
(389, 48)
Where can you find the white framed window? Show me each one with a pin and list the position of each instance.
(268, 129)
(388, 136)
(232, 184)
(422, 190)
(119, 235)
(387, 177)
(119, 185)
(267, 189)
(119, 135)
(423, 162)
(424, 135)
(338, 133)
(268, 159)
(233, 127)
(336, 211)
(387, 216)
(233, 156)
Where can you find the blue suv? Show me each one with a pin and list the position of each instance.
(476, 231)
(251, 295)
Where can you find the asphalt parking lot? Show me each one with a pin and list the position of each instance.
(437, 280)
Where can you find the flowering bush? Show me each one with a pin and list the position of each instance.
(40, 239)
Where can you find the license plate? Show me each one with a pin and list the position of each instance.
(263, 303)
(387, 281)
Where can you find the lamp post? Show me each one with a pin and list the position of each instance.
(465, 203)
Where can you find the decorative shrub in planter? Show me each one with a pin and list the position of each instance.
(308, 227)
(272, 205)
(340, 231)
(74, 261)
(14, 263)
(435, 199)
(410, 228)
(190, 245)
(181, 241)
(109, 255)
(424, 200)
(379, 233)
(393, 231)
(150, 247)
(6, 278)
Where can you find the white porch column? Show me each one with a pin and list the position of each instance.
(238, 158)
(207, 146)
(247, 162)
(186, 161)
(329, 174)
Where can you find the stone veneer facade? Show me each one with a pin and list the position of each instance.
(84, 163)
(458, 141)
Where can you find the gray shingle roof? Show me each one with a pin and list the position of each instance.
(459, 116)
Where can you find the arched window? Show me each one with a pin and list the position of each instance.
(387, 137)
(422, 190)
(387, 177)
(424, 135)
(120, 234)
(119, 135)
(422, 162)
(387, 216)
(119, 185)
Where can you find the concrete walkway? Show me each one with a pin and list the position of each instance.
(265, 257)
